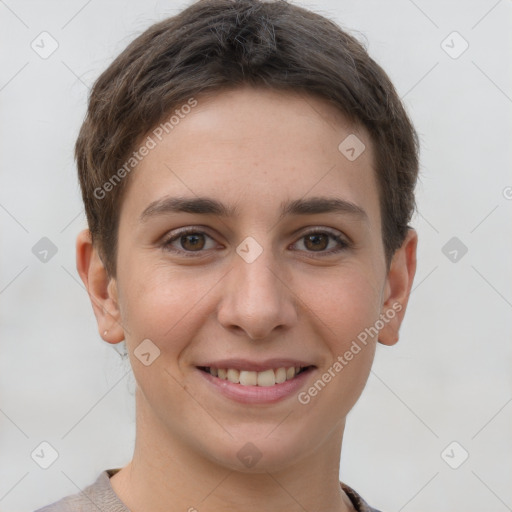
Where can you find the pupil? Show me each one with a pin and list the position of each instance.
(314, 239)
(194, 245)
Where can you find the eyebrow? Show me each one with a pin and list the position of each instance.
(209, 206)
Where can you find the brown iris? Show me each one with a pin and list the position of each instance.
(316, 241)
(192, 241)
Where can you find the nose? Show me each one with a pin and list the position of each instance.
(256, 298)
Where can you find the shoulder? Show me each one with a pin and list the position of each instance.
(97, 496)
(359, 504)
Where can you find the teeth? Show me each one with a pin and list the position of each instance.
(266, 378)
(280, 375)
(249, 378)
(233, 376)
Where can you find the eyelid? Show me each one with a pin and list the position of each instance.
(343, 242)
(177, 234)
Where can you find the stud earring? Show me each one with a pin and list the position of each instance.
(105, 333)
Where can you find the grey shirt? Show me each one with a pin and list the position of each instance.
(100, 497)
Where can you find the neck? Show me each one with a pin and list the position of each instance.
(167, 475)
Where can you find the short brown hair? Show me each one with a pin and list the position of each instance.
(214, 45)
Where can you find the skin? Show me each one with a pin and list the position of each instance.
(252, 149)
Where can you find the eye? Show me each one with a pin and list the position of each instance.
(194, 242)
(317, 241)
(189, 241)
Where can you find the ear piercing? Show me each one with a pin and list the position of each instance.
(105, 333)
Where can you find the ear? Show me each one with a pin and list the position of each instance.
(398, 288)
(102, 290)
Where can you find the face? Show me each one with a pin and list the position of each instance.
(250, 245)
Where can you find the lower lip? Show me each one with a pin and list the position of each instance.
(257, 394)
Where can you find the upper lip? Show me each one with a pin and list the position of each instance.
(255, 366)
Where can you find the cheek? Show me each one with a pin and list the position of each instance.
(343, 304)
(166, 307)
(163, 304)
(345, 311)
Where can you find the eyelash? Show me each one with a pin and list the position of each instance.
(343, 244)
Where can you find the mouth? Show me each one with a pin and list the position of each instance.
(263, 378)
(255, 382)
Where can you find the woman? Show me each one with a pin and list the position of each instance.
(248, 176)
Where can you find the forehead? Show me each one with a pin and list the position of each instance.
(255, 147)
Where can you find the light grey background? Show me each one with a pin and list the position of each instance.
(449, 377)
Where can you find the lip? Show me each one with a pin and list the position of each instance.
(254, 366)
(257, 394)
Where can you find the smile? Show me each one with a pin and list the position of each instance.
(251, 383)
(264, 378)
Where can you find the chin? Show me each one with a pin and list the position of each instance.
(251, 454)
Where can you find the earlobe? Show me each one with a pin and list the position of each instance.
(101, 288)
(398, 288)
